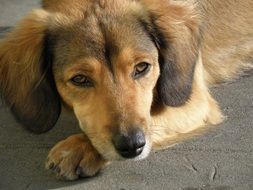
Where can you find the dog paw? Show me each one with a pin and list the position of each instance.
(74, 157)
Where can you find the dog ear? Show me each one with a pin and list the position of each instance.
(26, 79)
(175, 30)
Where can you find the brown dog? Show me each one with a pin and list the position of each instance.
(134, 72)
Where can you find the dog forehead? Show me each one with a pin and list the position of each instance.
(102, 19)
(103, 36)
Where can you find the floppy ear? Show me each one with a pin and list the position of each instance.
(26, 80)
(174, 28)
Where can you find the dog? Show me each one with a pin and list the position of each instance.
(135, 73)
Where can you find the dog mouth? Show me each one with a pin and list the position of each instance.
(132, 145)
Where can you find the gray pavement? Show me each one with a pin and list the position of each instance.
(222, 159)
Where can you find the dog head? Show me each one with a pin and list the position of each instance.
(111, 62)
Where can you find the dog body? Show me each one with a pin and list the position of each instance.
(226, 53)
(134, 73)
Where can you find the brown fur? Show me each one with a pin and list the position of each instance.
(189, 45)
(76, 150)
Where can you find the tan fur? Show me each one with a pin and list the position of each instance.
(205, 42)
(199, 111)
(227, 39)
(19, 55)
(75, 151)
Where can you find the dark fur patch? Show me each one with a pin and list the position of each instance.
(108, 53)
(174, 85)
(40, 110)
(172, 89)
(110, 49)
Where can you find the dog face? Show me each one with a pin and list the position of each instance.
(108, 79)
(103, 64)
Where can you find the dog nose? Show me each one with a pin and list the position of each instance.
(130, 145)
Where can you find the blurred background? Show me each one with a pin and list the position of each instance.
(13, 10)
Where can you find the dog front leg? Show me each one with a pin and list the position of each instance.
(74, 157)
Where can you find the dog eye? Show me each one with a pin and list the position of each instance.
(140, 70)
(82, 81)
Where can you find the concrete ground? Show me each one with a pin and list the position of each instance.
(222, 159)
